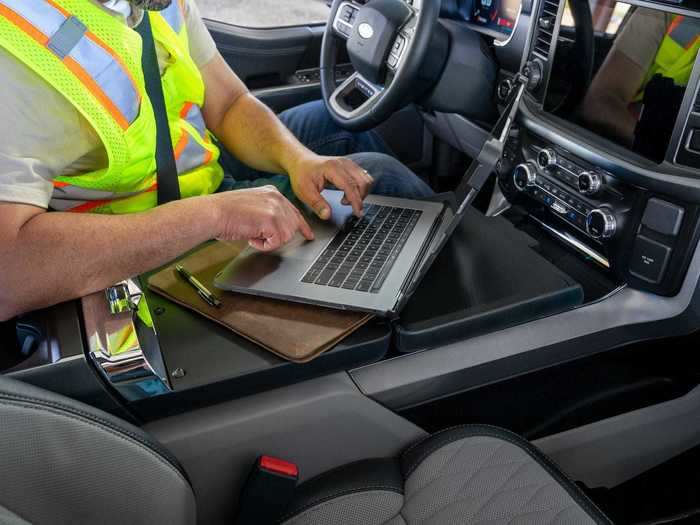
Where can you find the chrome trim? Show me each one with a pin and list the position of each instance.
(574, 243)
(377, 90)
(123, 345)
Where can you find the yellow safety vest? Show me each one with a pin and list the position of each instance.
(93, 59)
(677, 52)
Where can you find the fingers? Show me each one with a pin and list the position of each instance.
(280, 222)
(317, 203)
(304, 227)
(355, 182)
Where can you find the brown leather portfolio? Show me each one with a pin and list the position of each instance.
(293, 331)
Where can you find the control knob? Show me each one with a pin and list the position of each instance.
(533, 70)
(546, 157)
(600, 224)
(589, 182)
(524, 175)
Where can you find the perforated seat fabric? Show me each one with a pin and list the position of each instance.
(468, 476)
(64, 462)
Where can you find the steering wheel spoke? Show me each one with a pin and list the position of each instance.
(397, 50)
(344, 20)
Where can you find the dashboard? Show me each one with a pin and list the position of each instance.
(497, 17)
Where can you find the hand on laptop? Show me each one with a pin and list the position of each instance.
(314, 173)
(262, 216)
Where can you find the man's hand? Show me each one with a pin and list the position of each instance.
(313, 173)
(262, 216)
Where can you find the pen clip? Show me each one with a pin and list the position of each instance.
(206, 298)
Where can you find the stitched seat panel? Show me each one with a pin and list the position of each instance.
(476, 480)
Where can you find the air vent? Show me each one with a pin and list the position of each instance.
(545, 28)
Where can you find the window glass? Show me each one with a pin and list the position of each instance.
(607, 15)
(265, 13)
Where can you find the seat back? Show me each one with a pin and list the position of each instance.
(62, 461)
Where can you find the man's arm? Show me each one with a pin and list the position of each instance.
(47, 258)
(606, 106)
(257, 137)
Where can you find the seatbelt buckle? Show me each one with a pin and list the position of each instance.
(268, 490)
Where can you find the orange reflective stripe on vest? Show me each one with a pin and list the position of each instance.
(67, 197)
(83, 53)
(193, 115)
(684, 32)
(189, 153)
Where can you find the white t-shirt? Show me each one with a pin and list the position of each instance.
(641, 36)
(43, 136)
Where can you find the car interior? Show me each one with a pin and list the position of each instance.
(544, 370)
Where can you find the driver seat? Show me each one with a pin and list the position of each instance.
(66, 462)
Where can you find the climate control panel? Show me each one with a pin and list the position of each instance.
(560, 184)
(640, 237)
(581, 204)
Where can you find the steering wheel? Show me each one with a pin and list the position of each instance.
(580, 65)
(387, 41)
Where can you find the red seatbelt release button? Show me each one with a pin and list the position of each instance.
(279, 466)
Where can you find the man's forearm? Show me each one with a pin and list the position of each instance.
(57, 256)
(254, 134)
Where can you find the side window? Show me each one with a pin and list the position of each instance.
(264, 14)
(608, 16)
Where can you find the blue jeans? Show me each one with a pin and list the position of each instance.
(315, 128)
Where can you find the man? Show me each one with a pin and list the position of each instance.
(635, 95)
(78, 138)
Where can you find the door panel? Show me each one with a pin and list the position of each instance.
(278, 65)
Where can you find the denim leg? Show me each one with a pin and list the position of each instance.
(313, 126)
(391, 177)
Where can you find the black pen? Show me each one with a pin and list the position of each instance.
(202, 291)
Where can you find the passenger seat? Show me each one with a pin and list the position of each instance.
(65, 462)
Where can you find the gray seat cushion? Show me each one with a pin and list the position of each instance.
(65, 462)
(467, 475)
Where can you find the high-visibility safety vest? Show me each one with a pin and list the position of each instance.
(94, 60)
(677, 52)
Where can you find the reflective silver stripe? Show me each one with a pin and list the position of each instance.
(67, 37)
(109, 75)
(41, 15)
(76, 193)
(196, 119)
(191, 157)
(69, 197)
(173, 15)
(685, 32)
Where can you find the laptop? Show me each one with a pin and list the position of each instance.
(371, 264)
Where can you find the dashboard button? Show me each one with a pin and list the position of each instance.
(649, 259)
(663, 217)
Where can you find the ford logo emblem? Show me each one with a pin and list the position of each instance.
(365, 30)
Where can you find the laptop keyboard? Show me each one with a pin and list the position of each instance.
(361, 256)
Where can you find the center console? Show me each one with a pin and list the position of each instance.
(626, 208)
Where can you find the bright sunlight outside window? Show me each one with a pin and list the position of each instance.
(265, 13)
